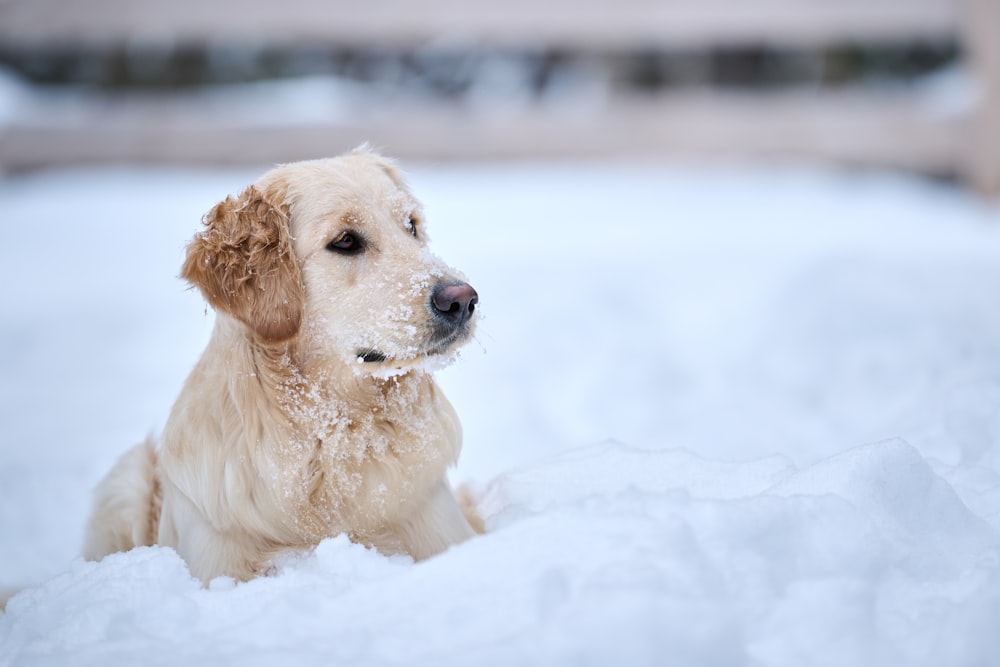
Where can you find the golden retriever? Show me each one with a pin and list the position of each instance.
(312, 411)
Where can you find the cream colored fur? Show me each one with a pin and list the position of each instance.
(282, 436)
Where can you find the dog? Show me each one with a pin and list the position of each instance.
(313, 410)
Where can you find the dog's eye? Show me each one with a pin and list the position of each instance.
(411, 224)
(347, 243)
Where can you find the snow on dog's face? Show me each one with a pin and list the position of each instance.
(333, 252)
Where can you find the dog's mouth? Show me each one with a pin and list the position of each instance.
(439, 346)
(370, 356)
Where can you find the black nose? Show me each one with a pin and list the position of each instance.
(454, 302)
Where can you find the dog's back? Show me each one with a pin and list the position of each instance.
(126, 505)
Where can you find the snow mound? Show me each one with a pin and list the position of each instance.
(906, 503)
(607, 554)
(575, 474)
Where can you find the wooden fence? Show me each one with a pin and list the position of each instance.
(889, 127)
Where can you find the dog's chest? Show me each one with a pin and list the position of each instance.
(359, 468)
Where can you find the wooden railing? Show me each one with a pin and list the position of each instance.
(893, 127)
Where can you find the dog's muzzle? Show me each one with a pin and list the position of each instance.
(452, 305)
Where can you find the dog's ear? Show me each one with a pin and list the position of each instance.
(245, 266)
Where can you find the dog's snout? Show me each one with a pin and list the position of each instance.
(454, 302)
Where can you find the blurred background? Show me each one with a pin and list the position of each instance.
(908, 84)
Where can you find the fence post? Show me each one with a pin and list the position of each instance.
(981, 40)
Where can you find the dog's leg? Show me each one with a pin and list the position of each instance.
(126, 505)
(437, 525)
(208, 552)
(467, 500)
(5, 595)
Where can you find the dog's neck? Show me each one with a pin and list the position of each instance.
(309, 387)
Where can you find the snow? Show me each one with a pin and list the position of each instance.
(716, 415)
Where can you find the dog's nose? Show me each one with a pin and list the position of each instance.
(454, 302)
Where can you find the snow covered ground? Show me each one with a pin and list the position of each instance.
(717, 416)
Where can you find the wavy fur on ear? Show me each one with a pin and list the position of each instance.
(244, 265)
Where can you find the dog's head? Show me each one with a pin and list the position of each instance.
(333, 253)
